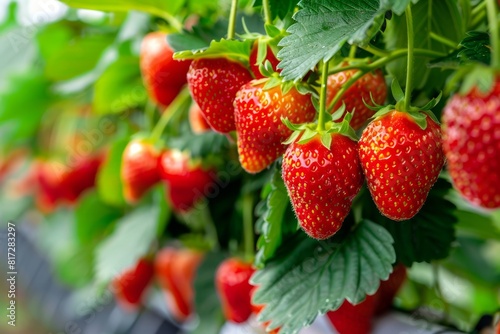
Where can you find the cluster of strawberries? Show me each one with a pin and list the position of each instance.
(400, 155)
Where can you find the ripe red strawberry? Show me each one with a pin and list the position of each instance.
(372, 83)
(139, 170)
(401, 162)
(213, 84)
(254, 65)
(187, 181)
(389, 288)
(354, 319)
(130, 286)
(234, 289)
(196, 120)
(258, 115)
(322, 183)
(471, 141)
(48, 176)
(163, 76)
(80, 177)
(175, 270)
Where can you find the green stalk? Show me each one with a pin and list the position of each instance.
(492, 11)
(248, 232)
(382, 61)
(267, 12)
(149, 111)
(169, 113)
(352, 51)
(376, 51)
(345, 87)
(409, 64)
(232, 19)
(322, 97)
(443, 40)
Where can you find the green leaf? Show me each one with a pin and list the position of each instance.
(279, 8)
(228, 48)
(278, 220)
(475, 47)
(155, 7)
(76, 57)
(57, 238)
(321, 29)
(426, 237)
(120, 87)
(206, 301)
(428, 17)
(20, 116)
(109, 184)
(92, 227)
(130, 241)
(314, 277)
(397, 6)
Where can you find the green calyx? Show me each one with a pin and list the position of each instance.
(303, 133)
(418, 114)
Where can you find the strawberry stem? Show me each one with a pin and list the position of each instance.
(409, 64)
(352, 51)
(267, 12)
(443, 40)
(169, 113)
(149, 111)
(345, 87)
(232, 19)
(477, 14)
(322, 97)
(492, 11)
(248, 231)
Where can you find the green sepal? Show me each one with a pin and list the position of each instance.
(307, 135)
(326, 140)
(479, 76)
(273, 82)
(273, 31)
(290, 125)
(397, 91)
(337, 114)
(293, 137)
(374, 106)
(224, 48)
(419, 118)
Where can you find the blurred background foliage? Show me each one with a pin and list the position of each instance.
(65, 71)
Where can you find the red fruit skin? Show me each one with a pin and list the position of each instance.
(163, 76)
(354, 319)
(197, 122)
(48, 176)
(187, 183)
(213, 84)
(260, 131)
(401, 163)
(80, 177)
(254, 65)
(234, 289)
(389, 288)
(175, 270)
(322, 183)
(139, 171)
(371, 85)
(471, 141)
(130, 286)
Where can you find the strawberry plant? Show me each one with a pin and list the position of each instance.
(280, 160)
